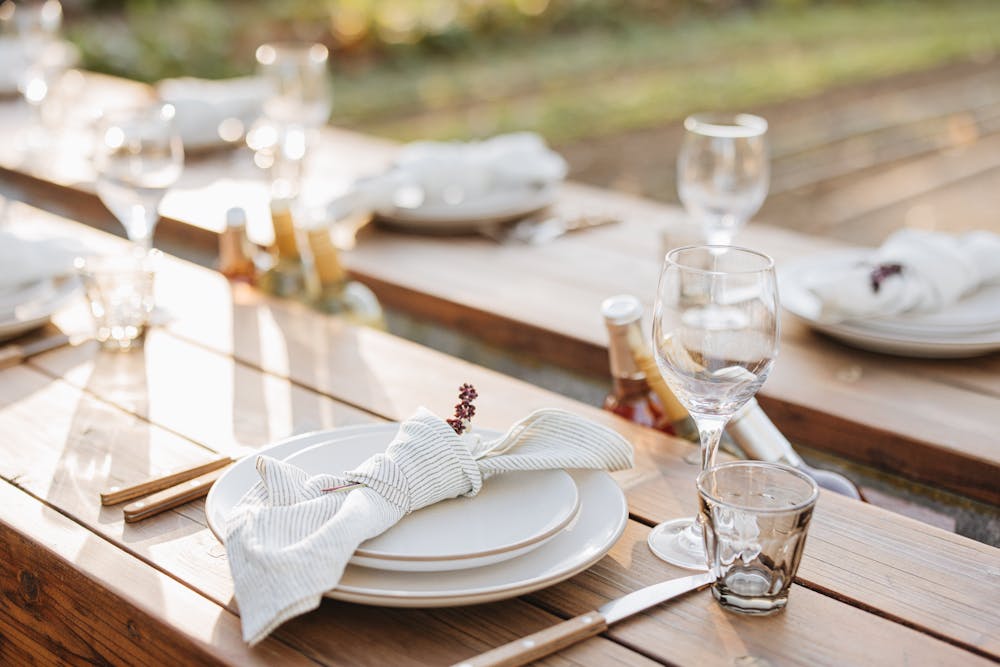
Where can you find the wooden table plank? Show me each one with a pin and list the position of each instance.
(377, 373)
(71, 597)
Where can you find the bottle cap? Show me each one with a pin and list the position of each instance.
(621, 309)
(236, 217)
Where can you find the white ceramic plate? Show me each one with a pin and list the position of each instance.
(598, 525)
(34, 304)
(458, 533)
(968, 328)
(496, 206)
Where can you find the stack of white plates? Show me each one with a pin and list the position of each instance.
(32, 304)
(522, 532)
(967, 328)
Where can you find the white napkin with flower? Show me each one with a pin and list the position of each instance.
(202, 107)
(436, 173)
(914, 271)
(290, 537)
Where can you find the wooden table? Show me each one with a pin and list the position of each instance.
(932, 421)
(231, 367)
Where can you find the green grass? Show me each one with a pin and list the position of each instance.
(570, 87)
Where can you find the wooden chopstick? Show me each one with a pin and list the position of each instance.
(120, 494)
(185, 492)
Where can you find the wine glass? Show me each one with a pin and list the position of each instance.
(138, 156)
(723, 172)
(299, 102)
(715, 337)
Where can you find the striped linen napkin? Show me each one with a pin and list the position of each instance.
(290, 537)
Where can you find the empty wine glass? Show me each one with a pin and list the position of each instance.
(723, 172)
(138, 156)
(715, 337)
(299, 82)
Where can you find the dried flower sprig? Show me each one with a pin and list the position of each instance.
(883, 271)
(464, 410)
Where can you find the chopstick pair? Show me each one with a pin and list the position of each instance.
(164, 492)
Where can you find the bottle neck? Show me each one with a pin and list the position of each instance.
(329, 270)
(623, 366)
(285, 244)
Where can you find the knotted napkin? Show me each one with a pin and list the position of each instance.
(290, 537)
(913, 271)
(450, 173)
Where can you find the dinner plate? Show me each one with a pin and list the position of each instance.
(458, 533)
(970, 327)
(599, 523)
(32, 305)
(493, 207)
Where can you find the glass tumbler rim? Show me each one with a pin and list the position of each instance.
(726, 125)
(768, 265)
(797, 507)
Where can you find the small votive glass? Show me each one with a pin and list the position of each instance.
(754, 518)
(119, 290)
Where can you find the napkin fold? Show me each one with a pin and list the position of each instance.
(290, 537)
(202, 106)
(450, 173)
(25, 260)
(913, 271)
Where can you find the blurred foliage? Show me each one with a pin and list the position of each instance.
(569, 69)
(153, 39)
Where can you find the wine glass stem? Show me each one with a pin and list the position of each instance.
(710, 429)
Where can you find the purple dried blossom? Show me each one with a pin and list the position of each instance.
(464, 410)
(881, 272)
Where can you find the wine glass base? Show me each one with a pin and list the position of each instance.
(669, 541)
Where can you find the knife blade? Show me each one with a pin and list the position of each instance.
(542, 643)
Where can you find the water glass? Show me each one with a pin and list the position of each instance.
(723, 172)
(119, 290)
(754, 518)
(137, 158)
(298, 78)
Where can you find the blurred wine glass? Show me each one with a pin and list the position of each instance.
(723, 172)
(298, 103)
(715, 338)
(138, 156)
(31, 44)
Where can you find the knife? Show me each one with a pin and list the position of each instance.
(542, 643)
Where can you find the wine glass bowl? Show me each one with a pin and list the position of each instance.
(137, 157)
(723, 172)
(715, 338)
(297, 76)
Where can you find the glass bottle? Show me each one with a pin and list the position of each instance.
(336, 293)
(286, 275)
(235, 250)
(630, 396)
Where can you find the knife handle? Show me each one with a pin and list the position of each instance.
(540, 644)
(119, 494)
(172, 497)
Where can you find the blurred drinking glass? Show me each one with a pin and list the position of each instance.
(299, 83)
(723, 172)
(715, 338)
(30, 31)
(138, 156)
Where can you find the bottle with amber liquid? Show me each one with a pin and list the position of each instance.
(334, 292)
(286, 276)
(631, 396)
(236, 253)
